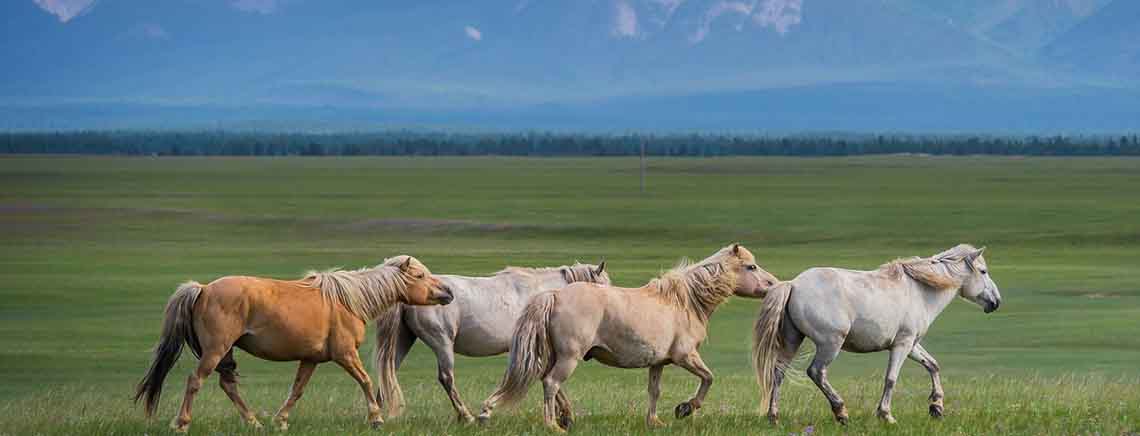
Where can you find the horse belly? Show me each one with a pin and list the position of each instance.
(628, 356)
(281, 349)
(482, 343)
(629, 348)
(867, 336)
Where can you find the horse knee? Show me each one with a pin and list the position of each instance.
(932, 365)
(445, 378)
(193, 384)
(815, 373)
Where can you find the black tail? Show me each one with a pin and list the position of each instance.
(177, 329)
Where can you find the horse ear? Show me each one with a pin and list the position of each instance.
(407, 264)
(976, 253)
(601, 267)
(736, 249)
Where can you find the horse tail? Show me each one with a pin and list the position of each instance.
(767, 342)
(532, 353)
(393, 340)
(177, 329)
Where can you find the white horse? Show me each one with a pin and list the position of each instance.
(864, 311)
(479, 322)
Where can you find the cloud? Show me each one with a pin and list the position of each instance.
(66, 10)
(473, 33)
(625, 20)
(780, 15)
(264, 7)
(150, 31)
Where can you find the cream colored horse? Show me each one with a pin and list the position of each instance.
(661, 323)
(316, 319)
(478, 323)
(864, 311)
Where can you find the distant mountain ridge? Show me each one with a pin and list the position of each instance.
(508, 55)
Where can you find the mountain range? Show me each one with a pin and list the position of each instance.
(573, 64)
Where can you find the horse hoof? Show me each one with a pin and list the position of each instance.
(654, 422)
(376, 424)
(842, 420)
(683, 410)
(179, 427)
(465, 418)
(555, 427)
(936, 411)
(565, 423)
(774, 419)
(483, 418)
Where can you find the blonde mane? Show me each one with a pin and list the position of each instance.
(941, 271)
(366, 292)
(698, 288)
(578, 272)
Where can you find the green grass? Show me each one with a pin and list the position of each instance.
(92, 247)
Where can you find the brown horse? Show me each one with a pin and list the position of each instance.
(316, 319)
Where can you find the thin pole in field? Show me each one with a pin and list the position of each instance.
(643, 166)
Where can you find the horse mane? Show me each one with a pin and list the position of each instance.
(941, 271)
(365, 292)
(578, 272)
(698, 288)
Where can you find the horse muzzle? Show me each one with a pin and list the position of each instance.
(991, 305)
(445, 296)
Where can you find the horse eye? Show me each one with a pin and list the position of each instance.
(984, 271)
(752, 267)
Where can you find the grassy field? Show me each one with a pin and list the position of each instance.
(92, 247)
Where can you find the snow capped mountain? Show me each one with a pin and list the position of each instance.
(506, 53)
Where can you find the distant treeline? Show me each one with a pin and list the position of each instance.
(404, 143)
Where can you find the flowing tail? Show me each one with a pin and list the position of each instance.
(532, 354)
(767, 342)
(177, 329)
(393, 340)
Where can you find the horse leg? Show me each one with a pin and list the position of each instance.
(206, 365)
(693, 363)
(651, 419)
(923, 357)
(304, 372)
(227, 379)
(825, 353)
(564, 408)
(792, 340)
(351, 364)
(898, 353)
(551, 384)
(445, 358)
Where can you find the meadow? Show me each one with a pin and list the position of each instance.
(93, 246)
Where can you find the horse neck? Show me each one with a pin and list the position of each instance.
(698, 309)
(552, 279)
(935, 301)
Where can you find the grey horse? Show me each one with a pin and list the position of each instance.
(478, 323)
